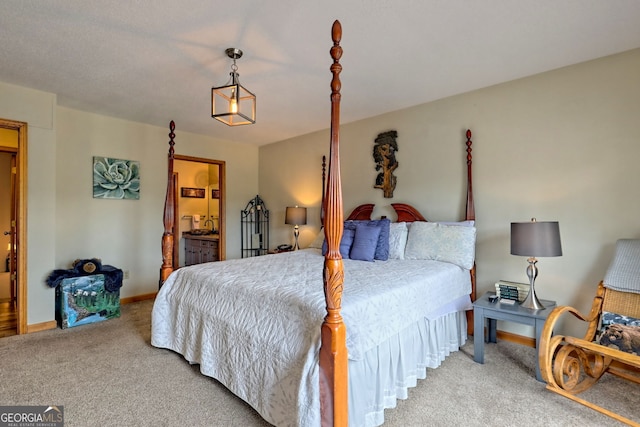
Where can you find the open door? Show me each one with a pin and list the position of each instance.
(8, 300)
(13, 264)
(16, 228)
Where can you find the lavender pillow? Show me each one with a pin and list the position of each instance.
(345, 243)
(382, 245)
(365, 242)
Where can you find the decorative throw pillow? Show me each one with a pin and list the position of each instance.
(622, 337)
(439, 242)
(620, 332)
(397, 239)
(382, 246)
(345, 243)
(609, 318)
(365, 242)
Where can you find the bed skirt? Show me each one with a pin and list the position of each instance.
(376, 380)
(388, 371)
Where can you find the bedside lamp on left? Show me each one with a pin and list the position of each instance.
(295, 216)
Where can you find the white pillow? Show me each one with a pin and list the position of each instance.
(398, 232)
(467, 223)
(441, 242)
(317, 242)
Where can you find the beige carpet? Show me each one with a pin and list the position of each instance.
(107, 374)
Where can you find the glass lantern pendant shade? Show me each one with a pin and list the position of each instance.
(232, 104)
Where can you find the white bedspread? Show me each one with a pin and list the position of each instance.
(254, 324)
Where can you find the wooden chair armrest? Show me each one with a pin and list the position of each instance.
(555, 314)
(592, 318)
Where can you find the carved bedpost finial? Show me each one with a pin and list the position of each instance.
(336, 54)
(324, 169)
(469, 146)
(172, 135)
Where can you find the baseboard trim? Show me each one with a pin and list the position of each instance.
(52, 324)
(515, 338)
(39, 327)
(138, 298)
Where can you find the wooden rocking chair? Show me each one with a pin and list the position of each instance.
(571, 365)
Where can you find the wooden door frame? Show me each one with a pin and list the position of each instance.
(21, 221)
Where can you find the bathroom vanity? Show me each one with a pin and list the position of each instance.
(200, 248)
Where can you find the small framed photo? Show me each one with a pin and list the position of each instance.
(192, 192)
(215, 194)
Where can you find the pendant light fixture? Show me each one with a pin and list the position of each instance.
(232, 104)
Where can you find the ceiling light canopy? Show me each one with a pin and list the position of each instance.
(232, 104)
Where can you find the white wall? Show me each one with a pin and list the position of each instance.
(562, 146)
(127, 233)
(64, 222)
(38, 109)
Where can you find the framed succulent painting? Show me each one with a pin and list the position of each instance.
(116, 178)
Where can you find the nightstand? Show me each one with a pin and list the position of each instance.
(484, 310)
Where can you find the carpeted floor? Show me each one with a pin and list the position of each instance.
(107, 374)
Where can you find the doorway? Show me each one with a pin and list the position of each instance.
(13, 163)
(200, 174)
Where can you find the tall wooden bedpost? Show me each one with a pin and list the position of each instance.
(470, 214)
(169, 213)
(333, 350)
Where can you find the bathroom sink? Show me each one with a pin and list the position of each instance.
(200, 232)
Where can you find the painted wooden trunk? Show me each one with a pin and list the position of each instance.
(82, 300)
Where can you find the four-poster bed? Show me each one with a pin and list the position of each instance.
(273, 329)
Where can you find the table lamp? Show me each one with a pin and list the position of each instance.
(535, 239)
(295, 216)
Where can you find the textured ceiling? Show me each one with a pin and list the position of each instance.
(153, 61)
